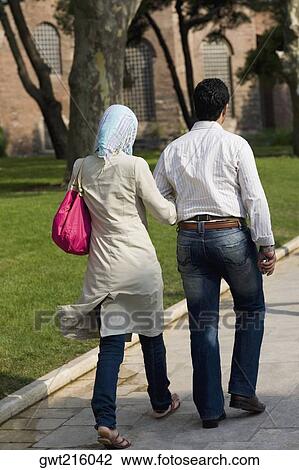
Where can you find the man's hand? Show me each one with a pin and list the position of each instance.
(266, 260)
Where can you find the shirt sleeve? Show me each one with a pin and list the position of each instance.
(162, 209)
(161, 179)
(254, 198)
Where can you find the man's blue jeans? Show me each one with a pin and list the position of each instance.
(204, 257)
(110, 358)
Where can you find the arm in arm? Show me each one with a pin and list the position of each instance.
(162, 182)
(162, 209)
(254, 198)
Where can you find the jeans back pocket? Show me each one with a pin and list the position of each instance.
(236, 253)
(183, 255)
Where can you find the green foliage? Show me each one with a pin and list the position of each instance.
(272, 137)
(264, 61)
(64, 15)
(196, 14)
(140, 24)
(226, 13)
(191, 15)
(3, 143)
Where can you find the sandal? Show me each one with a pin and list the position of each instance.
(106, 438)
(175, 404)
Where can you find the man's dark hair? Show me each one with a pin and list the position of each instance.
(210, 97)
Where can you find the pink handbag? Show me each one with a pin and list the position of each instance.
(71, 227)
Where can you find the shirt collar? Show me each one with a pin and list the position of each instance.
(206, 125)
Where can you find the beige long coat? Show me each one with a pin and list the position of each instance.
(123, 273)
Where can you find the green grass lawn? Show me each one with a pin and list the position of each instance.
(36, 276)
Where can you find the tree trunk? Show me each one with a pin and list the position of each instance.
(52, 113)
(187, 56)
(296, 127)
(290, 63)
(266, 85)
(96, 78)
(293, 87)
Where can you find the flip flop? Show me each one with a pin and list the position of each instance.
(175, 404)
(109, 442)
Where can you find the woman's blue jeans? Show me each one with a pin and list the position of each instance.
(111, 355)
(204, 257)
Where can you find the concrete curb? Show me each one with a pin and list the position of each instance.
(286, 249)
(58, 378)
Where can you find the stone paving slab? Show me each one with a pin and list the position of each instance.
(282, 438)
(34, 424)
(24, 436)
(40, 412)
(65, 401)
(15, 445)
(270, 445)
(89, 376)
(64, 419)
(285, 415)
(67, 437)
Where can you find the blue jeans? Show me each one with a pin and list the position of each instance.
(110, 358)
(204, 257)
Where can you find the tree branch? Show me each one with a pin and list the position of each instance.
(187, 55)
(41, 69)
(29, 86)
(172, 69)
(201, 20)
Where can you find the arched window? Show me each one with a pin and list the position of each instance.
(217, 64)
(47, 41)
(139, 81)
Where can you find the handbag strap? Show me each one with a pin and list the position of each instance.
(78, 179)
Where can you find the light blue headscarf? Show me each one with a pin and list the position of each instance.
(117, 131)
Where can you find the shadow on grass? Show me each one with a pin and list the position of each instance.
(9, 383)
(29, 187)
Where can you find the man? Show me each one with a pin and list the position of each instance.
(213, 177)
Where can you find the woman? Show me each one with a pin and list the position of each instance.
(123, 286)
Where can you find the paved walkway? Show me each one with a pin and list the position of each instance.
(64, 420)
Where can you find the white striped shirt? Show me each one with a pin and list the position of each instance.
(212, 171)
